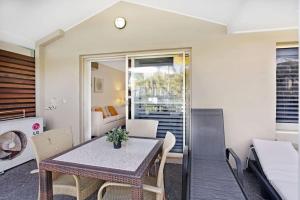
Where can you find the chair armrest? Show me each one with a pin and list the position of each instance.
(153, 189)
(77, 183)
(145, 187)
(34, 171)
(238, 163)
(106, 184)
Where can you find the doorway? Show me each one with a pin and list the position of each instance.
(157, 86)
(157, 90)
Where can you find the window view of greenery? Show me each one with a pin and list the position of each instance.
(159, 88)
(287, 84)
(158, 94)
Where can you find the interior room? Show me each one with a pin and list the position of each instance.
(108, 94)
(143, 99)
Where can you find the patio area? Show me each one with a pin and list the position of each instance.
(149, 100)
(19, 183)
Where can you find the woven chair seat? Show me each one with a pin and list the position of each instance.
(65, 184)
(124, 193)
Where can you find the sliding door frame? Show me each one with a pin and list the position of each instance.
(158, 54)
(85, 84)
(85, 96)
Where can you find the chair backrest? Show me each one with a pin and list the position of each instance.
(169, 143)
(142, 128)
(208, 139)
(50, 143)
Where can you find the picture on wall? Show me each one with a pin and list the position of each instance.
(98, 85)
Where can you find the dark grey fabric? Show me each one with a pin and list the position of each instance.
(213, 180)
(208, 134)
(211, 177)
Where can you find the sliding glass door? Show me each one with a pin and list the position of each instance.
(157, 89)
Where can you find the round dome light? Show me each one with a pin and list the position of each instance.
(120, 22)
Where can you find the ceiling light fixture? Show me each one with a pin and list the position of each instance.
(120, 22)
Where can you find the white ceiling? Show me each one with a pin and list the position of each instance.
(23, 22)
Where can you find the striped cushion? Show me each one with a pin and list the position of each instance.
(106, 112)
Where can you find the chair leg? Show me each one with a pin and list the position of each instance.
(39, 192)
(79, 197)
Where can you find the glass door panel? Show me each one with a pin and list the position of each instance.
(157, 90)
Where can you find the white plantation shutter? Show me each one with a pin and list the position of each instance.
(287, 85)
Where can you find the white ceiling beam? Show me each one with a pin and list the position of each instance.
(235, 14)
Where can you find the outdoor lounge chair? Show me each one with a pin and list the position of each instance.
(211, 176)
(275, 163)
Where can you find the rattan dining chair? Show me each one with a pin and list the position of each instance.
(142, 128)
(153, 186)
(146, 128)
(51, 143)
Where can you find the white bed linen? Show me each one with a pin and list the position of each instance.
(279, 161)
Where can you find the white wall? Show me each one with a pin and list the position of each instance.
(233, 72)
(113, 86)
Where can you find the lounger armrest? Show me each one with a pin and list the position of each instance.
(185, 170)
(238, 163)
(185, 161)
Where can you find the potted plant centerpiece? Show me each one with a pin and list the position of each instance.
(117, 136)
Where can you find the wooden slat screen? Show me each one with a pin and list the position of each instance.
(17, 85)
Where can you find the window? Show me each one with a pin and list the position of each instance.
(287, 88)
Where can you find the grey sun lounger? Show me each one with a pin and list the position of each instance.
(211, 176)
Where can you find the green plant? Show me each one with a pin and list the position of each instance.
(117, 135)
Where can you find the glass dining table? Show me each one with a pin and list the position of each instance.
(98, 159)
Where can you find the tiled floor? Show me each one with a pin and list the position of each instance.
(19, 184)
(252, 187)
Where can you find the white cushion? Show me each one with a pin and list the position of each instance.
(110, 119)
(279, 161)
(121, 110)
(121, 116)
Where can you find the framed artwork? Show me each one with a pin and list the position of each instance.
(98, 85)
